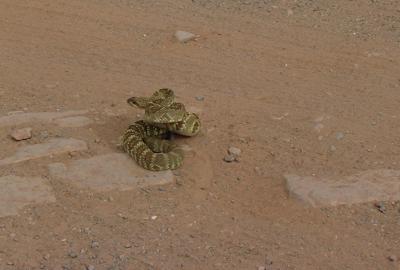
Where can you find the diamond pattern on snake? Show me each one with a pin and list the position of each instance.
(146, 140)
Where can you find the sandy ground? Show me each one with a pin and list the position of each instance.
(268, 72)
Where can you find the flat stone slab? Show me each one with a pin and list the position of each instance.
(74, 121)
(108, 172)
(52, 147)
(17, 192)
(19, 118)
(366, 186)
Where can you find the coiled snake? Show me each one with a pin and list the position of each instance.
(145, 141)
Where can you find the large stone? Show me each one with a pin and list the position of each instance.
(366, 186)
(52, 147)
(21, 134)
(75, 121)
(108, 172)
(17, 192)
(183, 36)
(23, 118)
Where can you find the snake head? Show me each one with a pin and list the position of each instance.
(162, 97)
(140, 102)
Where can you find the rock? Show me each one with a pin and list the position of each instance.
(234, 151)
(339, 136)
(233, 154)
(332, 148)
(199, 98)
(183, 36)
(76, 121)
(53, 147)
(381, 207)
(94, 244)
(17, 192)
(22, 134)
(229, 158)
(47, 117)
(90, 267)
(72, 254)
(366, 186)
(392, 258)
(107, 172)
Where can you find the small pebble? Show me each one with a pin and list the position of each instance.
(332, 148)
(154, 217)
(392, 258)
(94, 244)
(339, 136)
(183, 36)
(72, 254)
(381, 207)
(243, 140)
(199, 98)
(128, 245)
(122, 216)
(90, 267)
(229, 158)
(234, 151)
(46, 257)
(22, 134)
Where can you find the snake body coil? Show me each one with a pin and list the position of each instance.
(145, 141)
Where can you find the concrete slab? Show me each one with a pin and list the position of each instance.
(17, 192)
(366, 186)
(108, 172)
(74, 121)
(52, 147)
(19, 118)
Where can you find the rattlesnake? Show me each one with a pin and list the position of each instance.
(145, 140)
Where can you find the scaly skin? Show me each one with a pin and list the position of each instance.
(143, 140)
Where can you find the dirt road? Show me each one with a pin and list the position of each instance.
(304, 87)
